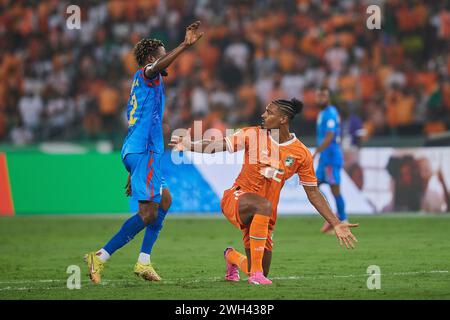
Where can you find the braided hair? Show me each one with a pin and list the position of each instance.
(144, 48)
(289, 107)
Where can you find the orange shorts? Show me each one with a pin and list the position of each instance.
(230, 209)
(230, 206)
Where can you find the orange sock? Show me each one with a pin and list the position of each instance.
(238, 259)
(259, 228)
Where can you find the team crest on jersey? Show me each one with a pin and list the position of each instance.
(289, 161)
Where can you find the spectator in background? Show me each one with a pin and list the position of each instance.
(199, 100)
(230, 74)
(221, 98)
(264, 64)
(336, 57)
(247, 104)
(272, 46)
(31, 108)
(353, 132)
(239, 52)
(20, 135)
(276, 91)
(58, 113)
(108, 100)
(293, 82)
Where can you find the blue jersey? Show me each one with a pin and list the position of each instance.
(329, 121)
(145, 112)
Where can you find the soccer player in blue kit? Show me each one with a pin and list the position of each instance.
(328, 146)
(141, 155)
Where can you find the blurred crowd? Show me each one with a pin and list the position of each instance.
(57, 83)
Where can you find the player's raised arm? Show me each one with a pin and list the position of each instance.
(202, 146)
(191, 37)
(342, 229)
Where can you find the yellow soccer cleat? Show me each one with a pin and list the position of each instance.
(95, 267)
(146, 272)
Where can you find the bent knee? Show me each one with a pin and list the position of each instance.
(263, 207)
(254, 204)
(266, 208)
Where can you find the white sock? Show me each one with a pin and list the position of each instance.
(103, 255)
(144, 258)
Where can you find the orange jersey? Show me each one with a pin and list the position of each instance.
(268, 164)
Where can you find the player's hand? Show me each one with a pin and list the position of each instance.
(192, 34)
(345, 236)
(181, 143)
(128, 187)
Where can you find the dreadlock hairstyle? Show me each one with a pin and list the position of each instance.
(144, 48)
(289, 107)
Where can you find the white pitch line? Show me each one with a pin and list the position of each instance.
(113, 282)
(33, 281)
(26, 289)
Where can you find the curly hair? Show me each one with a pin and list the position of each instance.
(144, 48)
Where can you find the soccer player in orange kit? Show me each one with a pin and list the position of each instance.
(272, 155)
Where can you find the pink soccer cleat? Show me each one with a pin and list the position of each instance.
(232, 273)
(258, 278)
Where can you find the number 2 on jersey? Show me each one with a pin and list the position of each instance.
(133, 102)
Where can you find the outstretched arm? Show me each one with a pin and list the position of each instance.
(191, 37)
(201, 146)
(341, 229)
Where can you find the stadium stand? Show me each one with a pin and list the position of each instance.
(61, 84)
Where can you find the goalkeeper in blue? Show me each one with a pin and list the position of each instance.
(141, 155)
(329, 148)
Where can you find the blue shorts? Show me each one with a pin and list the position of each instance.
(147, 181)
(329, 174)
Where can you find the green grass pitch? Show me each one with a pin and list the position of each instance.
(412, 251)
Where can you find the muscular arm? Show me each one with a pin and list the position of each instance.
(208, 146)
(161, 64)
(341, 229)
(200, 146)
(325, 143)
(191, 37)
(320, 203)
